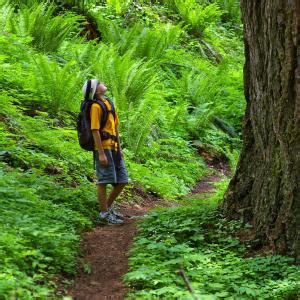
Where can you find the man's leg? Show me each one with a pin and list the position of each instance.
(104, 216)
(117, 189)
(101, 190)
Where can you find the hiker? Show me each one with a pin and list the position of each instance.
(110, 166)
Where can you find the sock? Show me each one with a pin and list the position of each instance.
(103, 214)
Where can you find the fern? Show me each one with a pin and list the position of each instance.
(20, 3)
(118, 6)
(48, 32)
(129, 79)
(231, 9)
(198, 15)
(143, 42)
(136, 136)
(58, 86)
(81, 4)
(6, 13)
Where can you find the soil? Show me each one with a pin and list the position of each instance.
(206, 185)
(105, 251)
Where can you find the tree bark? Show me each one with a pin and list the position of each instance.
(265, 189)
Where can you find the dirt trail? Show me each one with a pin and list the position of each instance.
(105, 250)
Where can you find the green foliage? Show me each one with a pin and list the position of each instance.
(211, 101)
(167, 168)
(36, 142)
(48, 31)
(135, 138)
(194, 88)
(57, 85)
(199, 240)
(42, 211)
(197, 17)
(20, 3)
(220, 97)
(83, 5)
(195, 14)
(39, 81)
(129, 79)
(143, 42)
(118, 6)
(39, 238)
(132, 83)
(231, 10)
(152, 60)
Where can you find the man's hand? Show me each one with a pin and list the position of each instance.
(103, 159)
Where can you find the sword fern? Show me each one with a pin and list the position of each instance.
(48, 31)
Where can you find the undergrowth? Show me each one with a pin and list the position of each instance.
(196, 240)
(39, 233)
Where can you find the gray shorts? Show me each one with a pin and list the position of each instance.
(115, 172)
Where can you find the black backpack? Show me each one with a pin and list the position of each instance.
(85, 136)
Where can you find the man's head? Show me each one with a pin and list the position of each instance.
(93, 88)
(101, 89)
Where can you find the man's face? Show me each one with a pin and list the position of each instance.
(101, 89)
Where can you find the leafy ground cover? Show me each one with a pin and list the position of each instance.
(197, 240)
(45, 202)
(39, 238)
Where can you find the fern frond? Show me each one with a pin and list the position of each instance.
(58, 86)
(48, 32)
(143, 42)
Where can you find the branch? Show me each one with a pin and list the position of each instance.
(187, 282)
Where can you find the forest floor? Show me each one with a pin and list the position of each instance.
(106, 248)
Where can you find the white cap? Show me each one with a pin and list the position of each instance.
(92, 86)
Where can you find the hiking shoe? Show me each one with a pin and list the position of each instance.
(109, 219)
(115, 213)
(112, 219)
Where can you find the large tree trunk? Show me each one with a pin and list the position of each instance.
(266, 187)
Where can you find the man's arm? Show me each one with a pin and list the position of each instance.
(98, 145)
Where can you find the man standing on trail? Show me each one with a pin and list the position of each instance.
(110, 166)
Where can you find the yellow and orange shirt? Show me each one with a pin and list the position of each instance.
(110, 126)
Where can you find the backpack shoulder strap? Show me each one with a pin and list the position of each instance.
(104, 111)
(113, 111)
